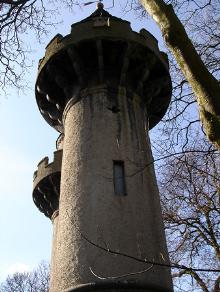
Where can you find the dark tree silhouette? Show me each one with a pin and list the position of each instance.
(190, 192)
(35, 281)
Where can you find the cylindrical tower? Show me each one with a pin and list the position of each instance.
(102, 87)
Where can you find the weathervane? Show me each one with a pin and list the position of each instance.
(100, 5)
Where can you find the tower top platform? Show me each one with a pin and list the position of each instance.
(102, 50)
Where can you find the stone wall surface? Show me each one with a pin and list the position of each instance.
(95, 136)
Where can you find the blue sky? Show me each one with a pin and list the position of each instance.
(25, 139)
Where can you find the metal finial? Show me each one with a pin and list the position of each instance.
(100, 5)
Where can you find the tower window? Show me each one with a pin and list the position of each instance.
(119, 178)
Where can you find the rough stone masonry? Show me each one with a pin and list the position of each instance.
(103, 87)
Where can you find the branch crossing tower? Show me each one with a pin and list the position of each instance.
(103, 87)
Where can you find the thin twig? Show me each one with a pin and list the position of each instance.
(120, 276)
(145, 261)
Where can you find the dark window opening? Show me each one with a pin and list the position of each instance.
(114, 109)
(119, 178)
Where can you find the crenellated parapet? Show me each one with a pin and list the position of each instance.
(102, 51)
(46, 188)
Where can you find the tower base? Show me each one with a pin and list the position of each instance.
(109, 286)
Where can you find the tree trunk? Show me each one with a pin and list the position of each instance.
(204, 85)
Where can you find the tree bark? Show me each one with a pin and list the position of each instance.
(217, 285)
(204, 85)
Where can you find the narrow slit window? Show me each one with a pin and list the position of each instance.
(119, 178)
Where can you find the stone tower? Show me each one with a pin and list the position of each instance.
(103, 87)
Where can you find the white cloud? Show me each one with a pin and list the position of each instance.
(17, 268)
(11, 269)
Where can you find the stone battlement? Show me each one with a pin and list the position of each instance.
(44, 168)
(91, 56)
(46, 188)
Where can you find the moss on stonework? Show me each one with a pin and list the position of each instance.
(212, 126)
